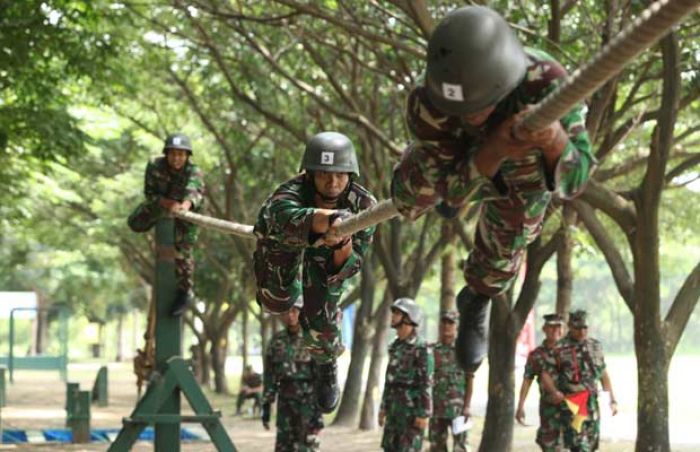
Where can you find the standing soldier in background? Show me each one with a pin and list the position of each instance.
(451, 388)
(289, 376)
(541, 358)
(406, 402)
(173, 183)
(479, 83)
(573, 382)
(293, 258)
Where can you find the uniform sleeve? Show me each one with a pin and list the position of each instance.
(288, 222)
(532, 367)
(425, 365)
(436, 165)
(194, 190)
(576, 164)
(269, 380)
(150, 187)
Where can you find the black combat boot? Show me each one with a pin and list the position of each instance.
(472, 339)
(182, 300)
(327, 393)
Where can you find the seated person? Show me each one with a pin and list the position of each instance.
(251, 388)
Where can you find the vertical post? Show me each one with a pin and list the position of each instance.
(168, 331)
(100, 388)
(63, 340)
(72, 390)
(80, 425)
(3, 387)
(11, 357)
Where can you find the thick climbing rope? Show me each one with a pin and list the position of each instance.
(649, 27)
(655, 22)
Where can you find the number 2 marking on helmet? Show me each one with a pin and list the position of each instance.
(327, 158)
(452, 92)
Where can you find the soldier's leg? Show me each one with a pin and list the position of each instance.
(504, 230)
(185, 238)
(437, 434)
(313, 424)
(277, 276)
(460, 442)
(287, 440)
(321, 321)
(549, 431)
(145, 216)
(239, 402)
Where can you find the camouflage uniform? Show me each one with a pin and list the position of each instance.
(439, 164)
(407, 393)
(251, 380)
(289, 375)
(579, 366)
(549, 432)
(285, 243)
(448, 399)
(184, 185)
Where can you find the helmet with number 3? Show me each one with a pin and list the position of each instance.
(332, 152)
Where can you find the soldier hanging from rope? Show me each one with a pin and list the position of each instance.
(293, 256)
(479, 82)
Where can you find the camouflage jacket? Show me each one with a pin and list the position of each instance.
(252, 380)
(289, 370)
(440, 161)
(184, 185)
(285, 222)
(541, 358)
(449, 383)
(579, 365)
(408, 380)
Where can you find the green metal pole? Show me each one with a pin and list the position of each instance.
(168, 330)
(80, 424)
(11, 357)
(3, 386)
(72, 390)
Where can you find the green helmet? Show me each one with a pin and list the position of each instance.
(332, 152)
(474, 61)
(177, 141)
(410, 308)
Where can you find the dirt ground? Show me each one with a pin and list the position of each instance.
(36, 401)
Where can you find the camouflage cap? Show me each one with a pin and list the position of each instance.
(577, 319)
(553, 319)
(450, 315)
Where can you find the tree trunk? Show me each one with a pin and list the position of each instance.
(120, 338)
(368, 417)
(498, 426)
(447, 281)
(244, 328)
(219, 347)
(652, 395)
(564, 255)
(364, 330)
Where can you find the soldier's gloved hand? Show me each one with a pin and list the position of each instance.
(334, 220)
(446, 211)
(266, 415)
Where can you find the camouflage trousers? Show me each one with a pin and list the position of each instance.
(550, 430)
(279, 284)
(589, 438)
(438, 433)
(299, 423)
(400, 435)
(146, 215)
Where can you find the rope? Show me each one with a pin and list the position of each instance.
(227, 227)
(644, 31)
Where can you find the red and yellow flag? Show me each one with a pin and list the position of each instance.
(578, 404)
